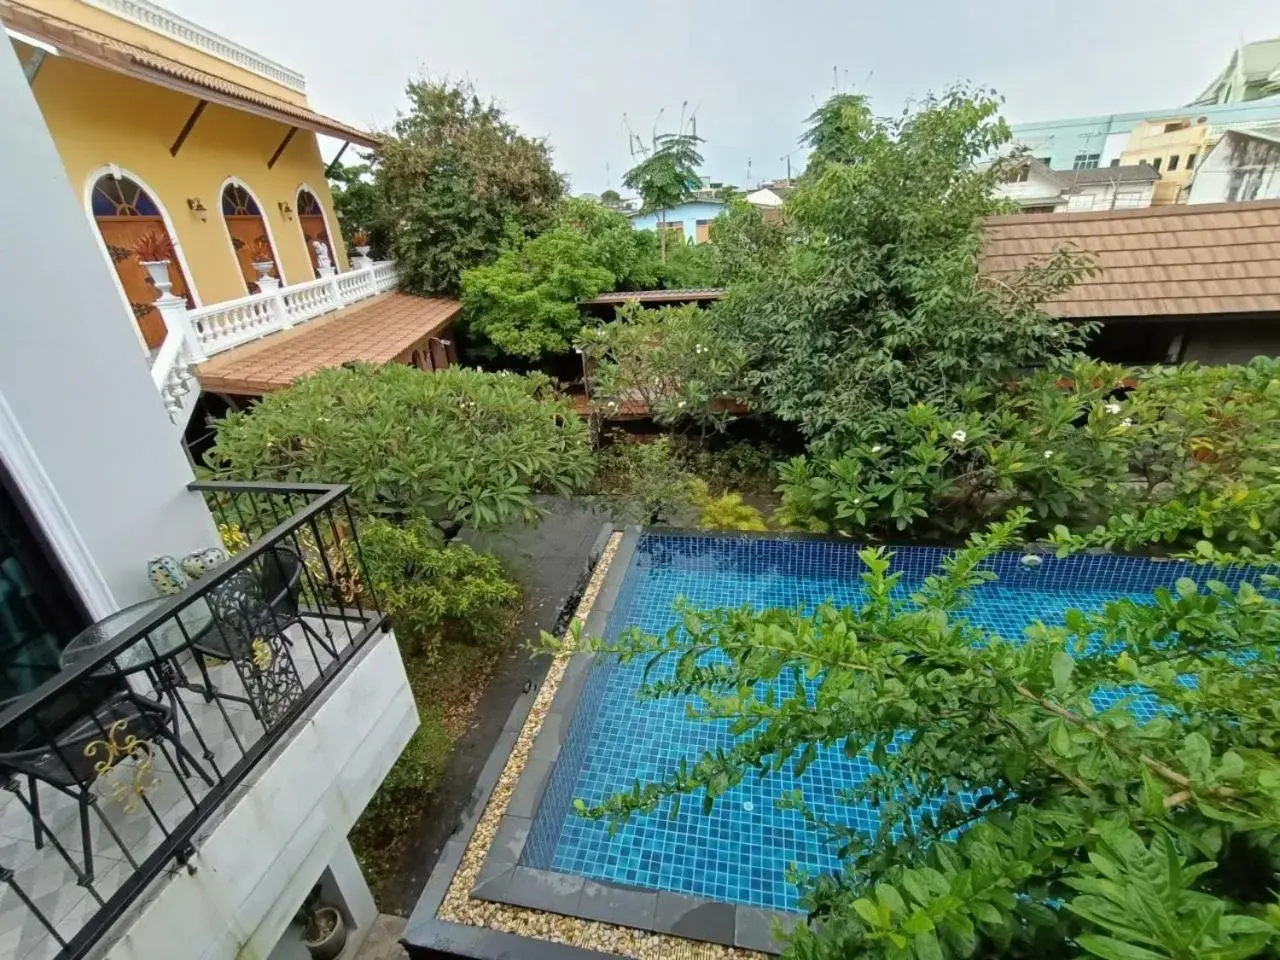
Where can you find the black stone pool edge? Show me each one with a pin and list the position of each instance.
(503, 880)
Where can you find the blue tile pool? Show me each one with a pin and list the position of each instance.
(740, 852)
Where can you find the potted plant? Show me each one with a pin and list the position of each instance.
(262, 258)
(360, 240)
(155, 253)
(324, 931)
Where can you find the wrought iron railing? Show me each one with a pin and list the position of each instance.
(113, 765)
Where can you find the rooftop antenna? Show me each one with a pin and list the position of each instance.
(748, 169)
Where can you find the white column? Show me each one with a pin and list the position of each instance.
(177, 319)
(81, 426)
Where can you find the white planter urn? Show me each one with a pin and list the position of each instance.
(266, 282)
(158, 271)
(363, 251)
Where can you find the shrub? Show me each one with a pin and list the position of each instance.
(1102, 833)
(725, 512)
(456, 446)
(645, 483)
(431, 590)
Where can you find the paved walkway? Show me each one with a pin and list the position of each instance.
(383, 942)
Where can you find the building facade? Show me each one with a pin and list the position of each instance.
(692, 219)
(160, 801)
(1178, 137)
(1245, 165)
(1038, 189)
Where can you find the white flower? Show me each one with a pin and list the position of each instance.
(680, 404)
(856, 501)
(1048, 454)
(877, 448)
(959, 436)
(1127, 422)
(1113, 408)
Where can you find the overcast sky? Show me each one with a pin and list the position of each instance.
(569, 70)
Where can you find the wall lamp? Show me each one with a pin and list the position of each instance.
(198, 208)
(286, 211)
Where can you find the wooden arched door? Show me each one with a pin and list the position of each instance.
(125, 214)
(311, 220)
(248, 233)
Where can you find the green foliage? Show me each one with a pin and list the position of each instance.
(359, 207)
(877, 302)
(525, 303)
(455, 178)
(630, 255)
(725, 512)
(456, 446)
(1097, 833)
(433, 590)
(744, 244)
(645, 482)
(688, 265)
(611, 199)
(666, 176)
(667, 360)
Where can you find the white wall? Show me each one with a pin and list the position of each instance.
(257, 863)
(1126, 196)
(82, 427)
(764, 198)
(1035, 186)
(1249, 165)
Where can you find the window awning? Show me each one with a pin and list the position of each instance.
(108, 53)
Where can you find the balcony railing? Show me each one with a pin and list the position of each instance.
(113, 765)
(195, 335)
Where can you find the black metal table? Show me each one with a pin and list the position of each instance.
(151, 651)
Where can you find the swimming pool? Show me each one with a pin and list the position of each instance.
(740, 853)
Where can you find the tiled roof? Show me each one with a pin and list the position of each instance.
(108, 53)
(378, 330)
(657, 296)
(1175, 261)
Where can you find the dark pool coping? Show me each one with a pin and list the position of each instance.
(502, 879)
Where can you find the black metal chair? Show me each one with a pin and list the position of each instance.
(124, 727)
(250, 607)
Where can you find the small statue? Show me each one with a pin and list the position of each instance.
(322, 255)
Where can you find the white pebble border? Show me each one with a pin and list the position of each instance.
(458, 907)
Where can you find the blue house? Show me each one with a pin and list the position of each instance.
(693, 218)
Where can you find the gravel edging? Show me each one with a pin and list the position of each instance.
(458, 906)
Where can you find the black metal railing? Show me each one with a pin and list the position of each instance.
(162, 710)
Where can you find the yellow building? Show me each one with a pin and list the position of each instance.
(168, 129)
(1173, 146)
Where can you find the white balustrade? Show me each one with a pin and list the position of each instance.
(195, 335)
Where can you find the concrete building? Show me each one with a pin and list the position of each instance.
(1252, 73)
(1173, 147)
(1038, 189)
(692, 219)
(161, 801)
(1245, 165)
(197, 163)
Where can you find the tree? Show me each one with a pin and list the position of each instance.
(666, 177)
(744, 244)
(455, 178)
(1059, 828)
(878, 302)
(357, 202)
(526, 302)
(667, 361)
(611, 199)
(455, 446)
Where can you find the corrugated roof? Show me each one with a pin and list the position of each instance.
(378, 330)
(1174, 261)
(657, 296)
(108, 53)
(1091, 176)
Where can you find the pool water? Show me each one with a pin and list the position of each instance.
(741, 851)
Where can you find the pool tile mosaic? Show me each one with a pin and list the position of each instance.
(740, 852)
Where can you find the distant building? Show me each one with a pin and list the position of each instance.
(692, 219)
(770, 195)
(1245, 165)
(1252, 73)
(1038, 189)
(1172, 140)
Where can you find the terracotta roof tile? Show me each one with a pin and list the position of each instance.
(108, 53)
(1158, 261)
(378, 330)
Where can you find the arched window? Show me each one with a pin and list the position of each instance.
(311, 220)
(248, 231)
(126, 215)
